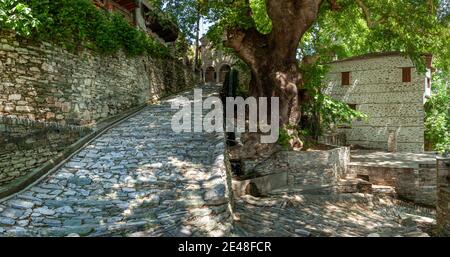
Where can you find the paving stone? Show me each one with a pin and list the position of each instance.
(7, 221)
(80, 181)
(21, 204)
(45, 211)
(12, 213)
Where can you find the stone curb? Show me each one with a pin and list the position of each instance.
(57, 161)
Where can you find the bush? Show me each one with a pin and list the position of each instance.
(17, 16)
(76, 24)
(437, 116)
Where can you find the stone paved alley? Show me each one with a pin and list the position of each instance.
(141, 179)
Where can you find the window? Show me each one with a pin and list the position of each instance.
(345, 78)
(406, 74)
(429, 82)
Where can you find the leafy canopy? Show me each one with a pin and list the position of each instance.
(354, 27)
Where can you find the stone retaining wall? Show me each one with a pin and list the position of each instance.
(413, 184)
(47, 93)
(418, 185)
(317, 168)
(443, 202)
(27, 144)
(39, 81)
(297, 170)
(219, 194)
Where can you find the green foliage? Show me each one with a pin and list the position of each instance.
(261, 18)
(283, 139)
(437, 117)
(182, 46)
(244, 78)
(225, 15)
(78, 23)
(323, 111)
(184, 13)
(17, 16)
(414, 27)
(411, 27)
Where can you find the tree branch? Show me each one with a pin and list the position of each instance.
(334, 5)
(247, 43)
(290, 20)
(366, 12)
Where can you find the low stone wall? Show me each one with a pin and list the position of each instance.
(40, 81)
(413, 184)
(334, 139)
(318, 167)
(443, 202)
(418, 185)
(297, 170)
(27, 144)
(47, 93)
(219, 194)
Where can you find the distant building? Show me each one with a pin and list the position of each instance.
(215, 64)
(143, 15)
(388, 88)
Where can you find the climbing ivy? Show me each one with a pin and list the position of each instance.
(76, 24)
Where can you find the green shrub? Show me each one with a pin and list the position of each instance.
(17, 16)
(437, 116)
(76, 24)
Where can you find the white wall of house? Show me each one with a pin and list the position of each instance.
(395, 108)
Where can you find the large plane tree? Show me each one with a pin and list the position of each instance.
(269, 36)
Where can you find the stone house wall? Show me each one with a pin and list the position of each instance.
(395, 109)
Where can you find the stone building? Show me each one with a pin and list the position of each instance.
(215, 63)
(389, 89)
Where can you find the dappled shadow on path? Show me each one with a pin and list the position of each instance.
(328, 215)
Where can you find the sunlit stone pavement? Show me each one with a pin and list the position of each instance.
(142, 179)
(138, 179)
(346, 215)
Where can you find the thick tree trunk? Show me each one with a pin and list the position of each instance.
(279, 77)
(272, 58)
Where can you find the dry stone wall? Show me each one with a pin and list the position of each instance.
(443, 202)
(49, 96)
(313, 170)
(393, 107)
(27, 144)
(42, 82)
(413, 184)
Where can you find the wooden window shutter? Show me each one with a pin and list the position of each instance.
(406, 74)
(345, 78)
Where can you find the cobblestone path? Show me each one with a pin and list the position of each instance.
(142, 179)
(331, 215)
(138, 176)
